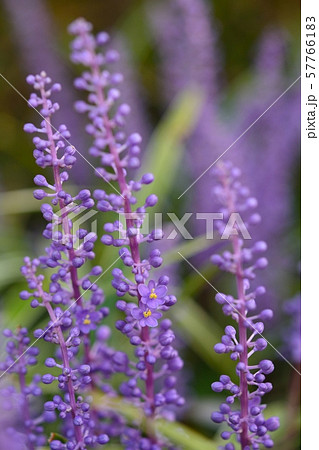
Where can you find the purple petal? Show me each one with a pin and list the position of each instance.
(95, 316)
(85, 328)
(144, 300)
(160, 291)
(156, 315)
(152, 303)
(137, 313)
(151, 321)
(143, 322)
(151, 285)
(143, 290)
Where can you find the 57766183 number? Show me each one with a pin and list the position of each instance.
(310, 47)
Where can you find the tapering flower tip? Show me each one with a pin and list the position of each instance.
(80, 26)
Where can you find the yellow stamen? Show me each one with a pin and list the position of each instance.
(147, 313)
(152, 294)
(87, 320)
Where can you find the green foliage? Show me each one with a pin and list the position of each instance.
(165, 152)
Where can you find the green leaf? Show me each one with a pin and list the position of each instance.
(193, 283)
(187, 249)
(201, 332)
(163, 156)
(16, 202)
(184, 436)
(22, 201)
(140, 43)
(178, 433)
(9, 268)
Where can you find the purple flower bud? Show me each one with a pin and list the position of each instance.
(266, 314)
(261, 263)
(134, 139)
(266, 366)
(151, 200)
(84, 369)
(217, 417)
(147, 178)
(241, 367)
(220, 298)
(272, 424)
(24, 295)
(78, 420)
(39, 194)
(103, 439)
(56, 445)
(260, 344)
(7, 333)
(50, 362)
(40, 180)
(48, 378)
(220, 348)
(230, 331)
(29, 128)
(77, 262)
(217, 386)
(49, 406)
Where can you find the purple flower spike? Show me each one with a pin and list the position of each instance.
(249, 423)
(69, 321)
(118, 152)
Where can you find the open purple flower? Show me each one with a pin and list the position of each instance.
(152, 295)
(146, 316)
(87, 320)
